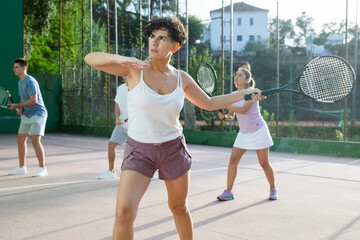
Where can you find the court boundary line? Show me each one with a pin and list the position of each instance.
(195, 171)
(89, 180)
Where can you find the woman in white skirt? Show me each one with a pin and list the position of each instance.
(253, 135)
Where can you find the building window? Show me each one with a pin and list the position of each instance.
(251, 38)
(239, 38)
(258, 37)
(251, 21)
(239, 21)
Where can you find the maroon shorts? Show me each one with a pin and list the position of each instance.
(171, 158)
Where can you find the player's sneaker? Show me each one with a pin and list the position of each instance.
(108, 175)
(40, 172)
(19, 171)
(226, 195)
(274, 194)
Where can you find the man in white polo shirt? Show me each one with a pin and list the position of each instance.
(119, 134)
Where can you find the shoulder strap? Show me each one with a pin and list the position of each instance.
(179, 79)
(141, 75)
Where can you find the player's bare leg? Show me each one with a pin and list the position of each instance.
(236, 155)
(39, 149)
(263, 156)
(22, 148)
(178, 190)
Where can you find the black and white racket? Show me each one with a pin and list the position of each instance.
(206, 78)
(5, 98)
(326, 79)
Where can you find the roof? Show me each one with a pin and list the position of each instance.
(241, 7)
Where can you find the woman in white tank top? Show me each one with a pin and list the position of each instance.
(155, 99)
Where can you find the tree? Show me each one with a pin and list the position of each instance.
(195, 29)
(286, 31)
(167, 6)
(304, 23)
(37, 15)
(330, 29)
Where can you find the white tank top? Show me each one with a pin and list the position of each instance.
(154, 118)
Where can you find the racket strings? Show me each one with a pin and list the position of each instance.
(327, 79)
(206, 79)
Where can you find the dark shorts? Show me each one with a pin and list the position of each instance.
(171, 158)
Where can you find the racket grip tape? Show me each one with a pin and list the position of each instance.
(264, 93)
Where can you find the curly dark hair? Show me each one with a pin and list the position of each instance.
(173, 25)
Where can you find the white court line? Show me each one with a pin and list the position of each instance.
(76, 139)
(251, 153)
(95, 180)
(49, 184)
(89, 180)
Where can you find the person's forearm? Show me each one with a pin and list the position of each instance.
(241, 110)
(26, 103)
(117, 112)
(226, 100)
(99, 58)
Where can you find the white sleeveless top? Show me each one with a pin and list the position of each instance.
(154, 118)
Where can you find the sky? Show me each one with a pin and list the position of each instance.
(322, 11)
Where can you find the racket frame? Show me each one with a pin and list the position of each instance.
(273, 91)
(9, 94)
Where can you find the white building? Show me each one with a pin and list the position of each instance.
(250, 24)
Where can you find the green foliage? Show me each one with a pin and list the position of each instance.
(304, 24)
(269, 119)
(167, 6)
(286, 30)
(195, 29)
(37, 15)
(292, 130)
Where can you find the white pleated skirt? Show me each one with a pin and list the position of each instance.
(259, 139)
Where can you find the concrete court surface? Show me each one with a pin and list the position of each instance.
(319, 196)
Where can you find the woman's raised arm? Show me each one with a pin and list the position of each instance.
(114, 64)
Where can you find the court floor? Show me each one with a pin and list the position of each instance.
(318, 196)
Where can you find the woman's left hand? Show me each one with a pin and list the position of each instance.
(257, 97)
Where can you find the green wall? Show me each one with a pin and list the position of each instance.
(11, 47)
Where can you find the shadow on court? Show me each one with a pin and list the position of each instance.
(318, 196)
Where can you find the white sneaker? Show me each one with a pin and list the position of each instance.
(41, 172)
(155, 176)
(274, 194)
(19, 171)
(108, 175)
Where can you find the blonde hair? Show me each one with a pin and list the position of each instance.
(246, 68)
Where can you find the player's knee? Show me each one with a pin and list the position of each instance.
(125, 215)
(35, 141)
(179, 209)
(234, 161)
(265, 164)
(22, 137)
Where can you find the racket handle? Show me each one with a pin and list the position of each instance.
(264, 93)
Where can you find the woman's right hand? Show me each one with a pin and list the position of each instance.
(133, 62)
